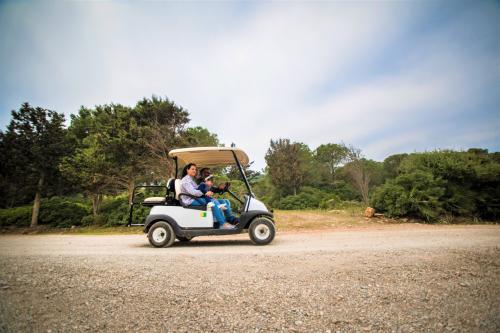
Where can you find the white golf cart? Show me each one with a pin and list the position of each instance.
(169, 219)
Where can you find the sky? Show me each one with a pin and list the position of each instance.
(387, 77)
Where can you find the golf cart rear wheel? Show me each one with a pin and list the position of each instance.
(262, 231)
(184, 239)
(161, 234)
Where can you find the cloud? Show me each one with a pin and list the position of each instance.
(387, 77)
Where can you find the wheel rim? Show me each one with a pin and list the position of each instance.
(262, 232)
(159, 235)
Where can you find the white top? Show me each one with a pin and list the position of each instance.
(209, 156)
(189, 186)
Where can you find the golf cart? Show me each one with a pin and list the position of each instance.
(169, 219)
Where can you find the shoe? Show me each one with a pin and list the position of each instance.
(228, 226)
(235, 221)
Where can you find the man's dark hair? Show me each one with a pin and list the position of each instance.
(203, 169)
(186, 168)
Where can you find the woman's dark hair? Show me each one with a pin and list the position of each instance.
(186, 168)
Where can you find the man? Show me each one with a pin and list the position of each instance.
(204, 174)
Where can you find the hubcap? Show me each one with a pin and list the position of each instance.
(262, 232)
(159, 235)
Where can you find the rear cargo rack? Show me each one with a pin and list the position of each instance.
(141, 203)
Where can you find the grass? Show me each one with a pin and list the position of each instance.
(286, 220)
(297, 220)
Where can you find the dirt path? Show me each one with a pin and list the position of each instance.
(385, 278)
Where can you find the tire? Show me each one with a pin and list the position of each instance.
(184, 239)
(262, 231)
(161, 234)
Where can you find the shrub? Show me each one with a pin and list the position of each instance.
(469, 186)
(307, 198)
(416, 194)
(17, 216)
(60, 212)
(63, 212)
(115, 212)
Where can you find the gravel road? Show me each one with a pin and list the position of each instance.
(401, 278)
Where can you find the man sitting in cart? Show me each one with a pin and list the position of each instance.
(189, 186)
(204, 174)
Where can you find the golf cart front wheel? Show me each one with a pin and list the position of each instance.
(262, 231)
(161, 234)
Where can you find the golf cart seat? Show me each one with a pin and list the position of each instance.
(154, 201)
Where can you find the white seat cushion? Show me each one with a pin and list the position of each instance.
(177, 188)
(154, 199)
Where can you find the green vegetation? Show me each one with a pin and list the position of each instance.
(443, 183)
(83, 175)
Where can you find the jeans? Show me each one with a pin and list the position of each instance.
(228, 213)
(219, 216)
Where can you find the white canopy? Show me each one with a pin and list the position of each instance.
(209, 156)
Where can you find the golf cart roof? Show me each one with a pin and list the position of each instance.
(209, 156)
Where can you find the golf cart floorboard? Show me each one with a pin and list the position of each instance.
(209, 232)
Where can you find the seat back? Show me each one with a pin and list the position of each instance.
(177, 188)
(171, 185)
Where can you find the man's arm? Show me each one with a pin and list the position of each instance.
(218, 190)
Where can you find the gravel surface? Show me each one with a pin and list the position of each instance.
(403, 278)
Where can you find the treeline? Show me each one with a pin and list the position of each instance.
(83, 172)
(102, 153)
(430, 186)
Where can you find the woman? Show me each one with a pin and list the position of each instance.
(189, 186)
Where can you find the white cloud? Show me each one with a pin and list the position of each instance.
(371, 74)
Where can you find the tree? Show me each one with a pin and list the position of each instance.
(468, 183)
(86, 167)
(364, 173)
(199, 137)
(232, 172)
(332, 155)
(287, 165)
(163, 129)
(120, 145)
(391, 165)
(33, 146)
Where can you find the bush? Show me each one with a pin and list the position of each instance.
(17, 216)
(63, 212)
(416, 194)
(455, 183)
(115, 212)
(307, 198)
(59, 212)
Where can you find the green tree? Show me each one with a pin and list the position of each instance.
(163, 125)
(90, 170)
(119, 145)
(391, 165)
(288, 165)
(331, 156)
(199, 137)
(32, 147)
(416, 194)
(470, 183)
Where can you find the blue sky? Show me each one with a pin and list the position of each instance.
(387, 77)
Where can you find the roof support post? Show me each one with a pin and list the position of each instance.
(242, 172)
(176, 167)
